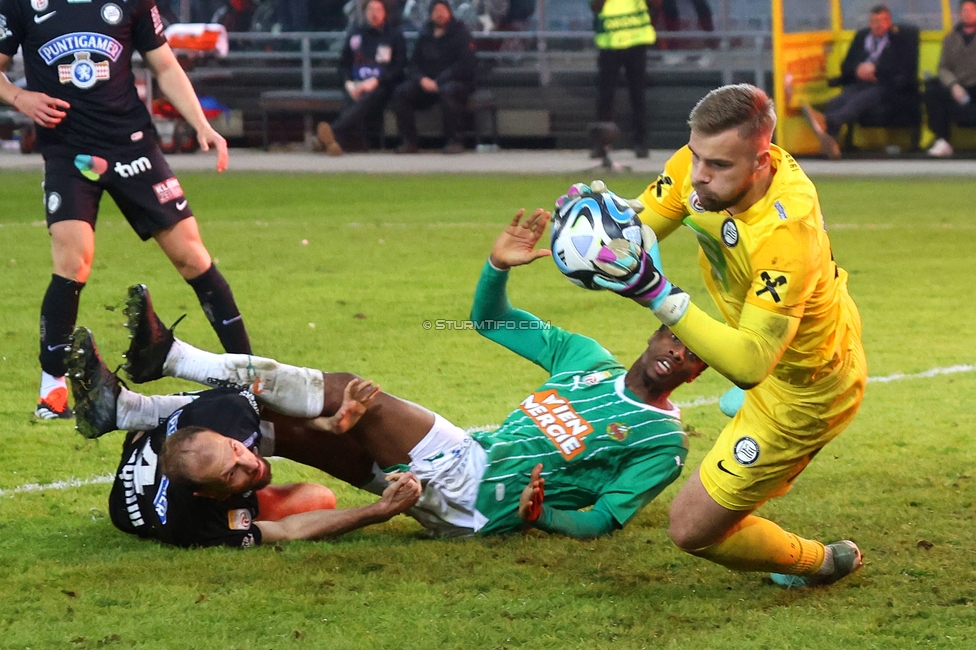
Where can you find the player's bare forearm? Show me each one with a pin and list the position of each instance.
(174, 83)
(177, 87)
(322, 524)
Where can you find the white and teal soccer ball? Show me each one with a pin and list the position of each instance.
(590, 236)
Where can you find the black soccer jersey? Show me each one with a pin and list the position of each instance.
(80, 51)
(144, 502)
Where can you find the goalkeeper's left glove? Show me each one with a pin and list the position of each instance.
(648, 286)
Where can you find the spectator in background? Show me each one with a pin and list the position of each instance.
(672, 19)
(623, 33)
(372, 63)
(880, 64)
(948, 98)
(442, 70)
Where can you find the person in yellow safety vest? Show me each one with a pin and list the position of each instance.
(623, 33)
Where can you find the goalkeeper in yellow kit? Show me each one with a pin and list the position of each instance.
(791, 337)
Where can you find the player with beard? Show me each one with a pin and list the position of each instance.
(791, 336)
(580, 456)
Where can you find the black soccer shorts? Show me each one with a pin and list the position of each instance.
(138, 178)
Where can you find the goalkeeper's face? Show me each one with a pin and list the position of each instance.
(726, 168)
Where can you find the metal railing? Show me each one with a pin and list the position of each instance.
(543, 54)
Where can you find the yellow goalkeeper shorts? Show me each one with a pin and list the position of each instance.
(778, 430)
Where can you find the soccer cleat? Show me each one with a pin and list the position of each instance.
(847, 560)
(54, 406)
(151, 340)
(95, 388)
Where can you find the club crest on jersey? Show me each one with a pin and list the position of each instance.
(730, 233)
(111, 13)
(618, 431)
(83, 72)
(39, 5)
(595, 378)
(80, 43)
(745, 451)
(556, 418)
(695, 202)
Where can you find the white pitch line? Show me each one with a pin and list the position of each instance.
(59, 485)
(698, 401)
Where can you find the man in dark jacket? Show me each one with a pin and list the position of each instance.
(948, 97)
(880, 65)
(372, 63)
(441, 70)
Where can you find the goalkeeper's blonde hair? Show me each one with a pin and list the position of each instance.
(738, 106)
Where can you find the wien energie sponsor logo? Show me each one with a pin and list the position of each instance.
(556, 418)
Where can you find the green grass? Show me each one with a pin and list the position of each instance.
(386, 253)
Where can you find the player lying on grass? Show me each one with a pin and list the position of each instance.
(791, 333)
(145, 502)
(595, 434)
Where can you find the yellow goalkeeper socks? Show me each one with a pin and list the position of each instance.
(757, 544)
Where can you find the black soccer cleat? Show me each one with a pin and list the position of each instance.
(95, 388)
(151, 340)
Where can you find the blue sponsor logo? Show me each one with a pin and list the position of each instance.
(161, 502)
(80, 42)
(173, 423)
(780, 209)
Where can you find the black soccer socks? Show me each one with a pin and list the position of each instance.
(218, 304)
(59, 310)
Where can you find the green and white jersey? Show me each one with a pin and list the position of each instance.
(595, 438)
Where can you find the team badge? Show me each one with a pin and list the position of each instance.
(39, 5)
(730, 234)
(111, 13)
(745, 451)
(83, 72)
(239, 519)
(595, 378)
(695, 202)
(617, 431)
(774, 284)
(53, 202)
(4, 32)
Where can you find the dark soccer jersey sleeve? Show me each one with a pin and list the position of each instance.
(144, 502)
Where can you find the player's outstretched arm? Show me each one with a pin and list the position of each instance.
(355, 400)
(321, 524)
(177, 87)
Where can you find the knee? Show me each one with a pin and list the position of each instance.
(192, 262)
(683, 532)
(74, 266)
(318, 497)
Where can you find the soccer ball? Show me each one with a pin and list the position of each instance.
(591, 235)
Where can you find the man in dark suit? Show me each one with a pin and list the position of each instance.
(880, 65)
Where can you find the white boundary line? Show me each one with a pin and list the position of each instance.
(698, 401)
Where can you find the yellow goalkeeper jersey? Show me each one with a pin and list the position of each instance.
(776, 255)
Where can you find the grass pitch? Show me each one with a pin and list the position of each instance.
(384, 254)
